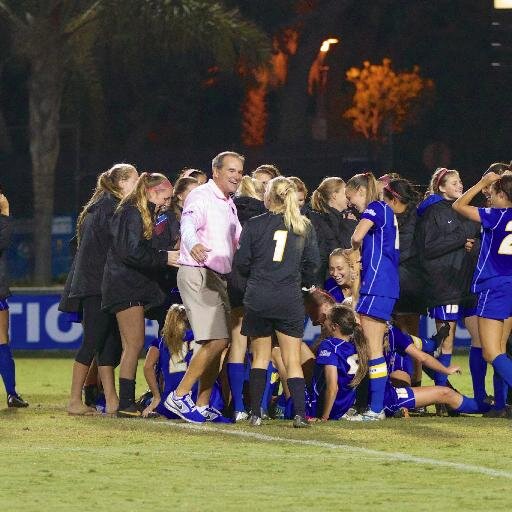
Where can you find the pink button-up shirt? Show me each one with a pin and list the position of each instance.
(209, 218)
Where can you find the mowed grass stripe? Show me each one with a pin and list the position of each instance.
(397, 456)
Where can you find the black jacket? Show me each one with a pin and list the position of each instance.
(166, 237)
(5, 239)
(91, 254)
(333, 230)
(131, 263)
(441, 235)
(247, 207)
(275, 272)
(412, 281)
(67, 304)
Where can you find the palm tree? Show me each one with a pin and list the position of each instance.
(45, 35)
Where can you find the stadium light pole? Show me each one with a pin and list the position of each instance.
(319, 127)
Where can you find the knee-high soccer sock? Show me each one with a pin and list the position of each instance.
(126, 393)
(297, 386)
(440, 378)
(257, 380)
(500, 390)
(378, 377)
(478, 369)
(236, 374)
(268, 388)
(7, 369)
(469, 406)
(503, 365)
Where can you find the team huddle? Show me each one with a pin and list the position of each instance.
(232, 266)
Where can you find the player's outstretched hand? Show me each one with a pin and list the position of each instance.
(454, 369)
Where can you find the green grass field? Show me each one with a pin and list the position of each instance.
(53, 462)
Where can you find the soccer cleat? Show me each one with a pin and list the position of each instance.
(254, 421)
(495, 413)
(16, 401)
(349, 415)
(418, 411)
(441, 410)
(263, 414)
(184, 407)
(369, 415)
(132, 411)
(300, 422)
(213, 415)
(240, 416)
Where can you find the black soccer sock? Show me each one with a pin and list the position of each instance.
(126, 393)
(257, 381)
(91, 393)
(297, 387)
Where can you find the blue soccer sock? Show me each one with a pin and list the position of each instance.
(478, 368)
(378, 377)
(7, 369)
(469, 406)
(236, 375)
(500, 391)
(503, 365)
(440, 379)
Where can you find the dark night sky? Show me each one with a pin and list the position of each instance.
(165, 119)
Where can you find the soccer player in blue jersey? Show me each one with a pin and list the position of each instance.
(401, 348)
(377, 235)
(492, 280)
(344, 281)
(345, 361)
(167, 360)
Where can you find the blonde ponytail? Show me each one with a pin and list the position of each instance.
(107, 183)
(320, 197)
(174, 329)
(370, 184)
(282, 199)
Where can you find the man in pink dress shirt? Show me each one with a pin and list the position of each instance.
(209, 238)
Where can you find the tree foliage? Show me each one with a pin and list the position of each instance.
(385, 101)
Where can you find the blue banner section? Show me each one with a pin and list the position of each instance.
(36, 323)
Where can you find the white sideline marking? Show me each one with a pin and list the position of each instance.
(399, 456)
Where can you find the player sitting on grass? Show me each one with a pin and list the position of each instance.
(167, 360)
(343, 357)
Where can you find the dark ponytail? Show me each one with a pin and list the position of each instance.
(344, 318)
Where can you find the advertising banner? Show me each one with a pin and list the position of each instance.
(37, 324)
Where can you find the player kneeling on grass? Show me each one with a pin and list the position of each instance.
(166, 363)
(343, 362)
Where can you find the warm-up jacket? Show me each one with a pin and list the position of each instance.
(247, 207)
(91, 254)
(5, 238)
(131, 263)
(441, 235)
(412, 279)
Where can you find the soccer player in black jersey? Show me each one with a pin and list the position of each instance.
(278, 252)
